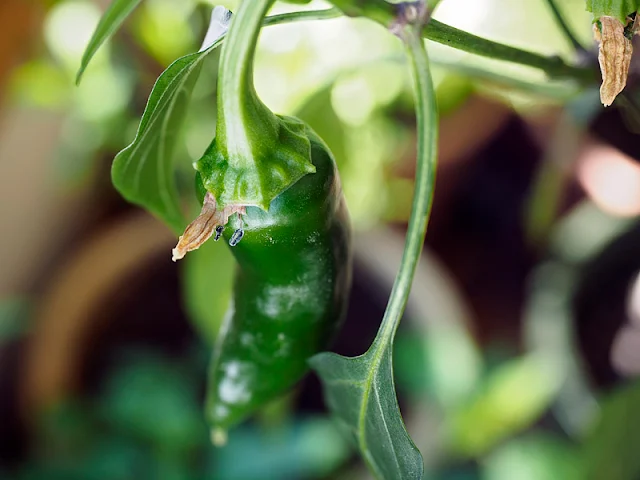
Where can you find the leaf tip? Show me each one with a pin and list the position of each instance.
(79, 75)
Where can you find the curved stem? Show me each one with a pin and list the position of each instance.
(573, 40)
(304, 15)
(552, 66)
(384, 13)
(427, 128)
(237, 98)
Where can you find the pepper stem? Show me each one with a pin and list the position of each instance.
(237, 98)
(256, 154)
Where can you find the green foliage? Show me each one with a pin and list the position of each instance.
(144, 171)
(611, 449)
(510, 400)
(359, 390)
(112, 19)
(619, 9)
(534, 456)
(147, 424)
(156, 403)
(307, 448)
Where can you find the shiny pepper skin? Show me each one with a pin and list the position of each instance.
(290, 293)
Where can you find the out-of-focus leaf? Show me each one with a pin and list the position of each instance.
(554, 172)
(155, 401)
(284, 452)
(611, 449)
(207, 283)
(318, 113)
(512, 398)
(115, 15)
(66, 429)
(411, 364)
(452, 92)
(536, 456)
(503, 83)
(113, 457)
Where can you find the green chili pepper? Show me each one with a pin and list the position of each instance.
(271, 188)
(290, 292)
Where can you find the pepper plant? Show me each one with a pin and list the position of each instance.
(269, 186)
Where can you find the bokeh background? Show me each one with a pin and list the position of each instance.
(517, 356)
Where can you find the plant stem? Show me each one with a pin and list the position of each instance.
(237, 98)
(553, 66)
(304, 15)
(578, 47)
(384, 13)
(427, 128)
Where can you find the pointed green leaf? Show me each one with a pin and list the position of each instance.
(143, 172)
(114, 16)
(360, 391)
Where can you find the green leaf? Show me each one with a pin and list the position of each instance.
(510, 400)
(537, 455)
(207, 282)
(143, 172)
(360, 391)
(619, 9)
(115, 15)
(611, 449)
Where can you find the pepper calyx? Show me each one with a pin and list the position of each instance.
(268, 166)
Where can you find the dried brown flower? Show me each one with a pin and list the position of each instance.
(614, 57)
(204, 226)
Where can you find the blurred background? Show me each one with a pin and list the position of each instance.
(518, 355)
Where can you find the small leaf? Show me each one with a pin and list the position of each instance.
(143, 172)
(360, 391)
(115, 15)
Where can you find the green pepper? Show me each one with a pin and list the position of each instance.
(270, 187)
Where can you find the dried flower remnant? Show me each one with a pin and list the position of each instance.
(203, 227)
(614, 56)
